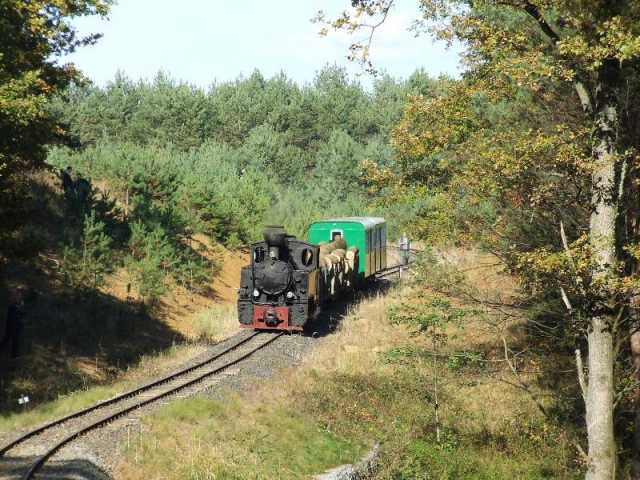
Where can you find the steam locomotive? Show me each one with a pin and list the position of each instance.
(289, 280)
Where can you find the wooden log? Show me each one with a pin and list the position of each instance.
(326, 263)
(339, 252)
(332, 258)
(351, 255)
(337, 264)
(338, 243)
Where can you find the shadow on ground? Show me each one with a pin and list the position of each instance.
(77, 469)
(69, 339)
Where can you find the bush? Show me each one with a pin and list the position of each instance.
(85, 264)
(214, 323)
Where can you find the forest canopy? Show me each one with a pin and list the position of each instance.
(168, 162)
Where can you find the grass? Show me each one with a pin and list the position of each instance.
(150, 365)
(212, 324)
(372, 381)
(216, 323)
(273, 440)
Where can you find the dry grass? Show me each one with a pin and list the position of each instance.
(216, 323)
(150, 366)
(187, 312)
(362, 336)
(370, 381)
(262, 433)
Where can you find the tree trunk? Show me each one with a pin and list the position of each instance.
(635, 355)
(599, 401)
(126, 203)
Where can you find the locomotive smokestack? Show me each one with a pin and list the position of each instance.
(274, 237)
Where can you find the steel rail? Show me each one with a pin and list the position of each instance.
(120, 397)
(103, 421)
(394, 269)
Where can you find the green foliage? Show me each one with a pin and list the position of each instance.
(149, 186)
(270, 150)
(179, 161)
(151, 256)
(85, 265)
(226, 161)
(34, 36)
(537, 147)
(406, 355)
(338, 167)
(219, 200)
(164, 111)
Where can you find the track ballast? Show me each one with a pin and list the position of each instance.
(109, 410)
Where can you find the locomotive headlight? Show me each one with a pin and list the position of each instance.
(290, 295)
(256, 293)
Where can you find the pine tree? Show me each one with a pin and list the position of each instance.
(85, 265)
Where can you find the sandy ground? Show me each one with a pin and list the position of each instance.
(179, 307)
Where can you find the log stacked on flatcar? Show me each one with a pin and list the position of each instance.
(338, 266)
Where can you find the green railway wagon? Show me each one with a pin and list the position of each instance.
(369, 234)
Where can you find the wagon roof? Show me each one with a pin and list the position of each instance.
(367, 222)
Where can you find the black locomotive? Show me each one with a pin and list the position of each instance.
(280, 289)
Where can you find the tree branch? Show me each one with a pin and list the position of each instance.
(366, 47)
(581, 380)
(565, 299)
(554, 38)
(534, 12)
(519, 383)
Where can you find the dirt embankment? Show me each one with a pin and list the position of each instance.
(72, 339)
(179, 307)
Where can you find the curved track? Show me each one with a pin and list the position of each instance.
(104, 412)
(142, 396)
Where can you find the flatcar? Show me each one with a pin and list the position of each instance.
(289, 280)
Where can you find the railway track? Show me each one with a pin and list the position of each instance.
(83, 421)
(393, 270)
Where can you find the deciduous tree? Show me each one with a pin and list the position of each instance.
(34, 35)
(579, 59)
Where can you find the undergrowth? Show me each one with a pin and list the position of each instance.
(219, 440)
(216, 322)
(376, 381)
(90, 394)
